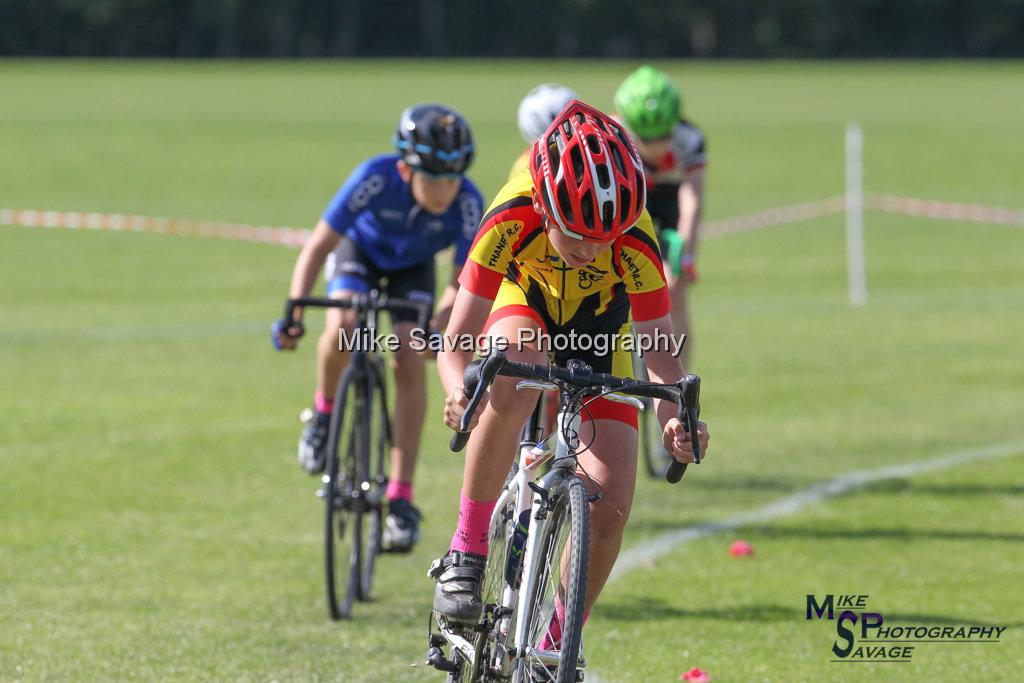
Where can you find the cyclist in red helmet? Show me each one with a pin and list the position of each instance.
(566, 248)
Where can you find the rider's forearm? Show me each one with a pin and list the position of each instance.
(314, 252)
(469, 314)
(448, 296)
(662, 365)
(691, 207)
(451, 366)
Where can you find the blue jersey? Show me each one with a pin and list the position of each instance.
(376, 210)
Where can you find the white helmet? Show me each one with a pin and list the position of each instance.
(540, 107)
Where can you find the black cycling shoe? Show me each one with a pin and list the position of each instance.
(313, 442)
(459, 585)
(401, 526)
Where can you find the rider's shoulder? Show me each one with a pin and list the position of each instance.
(514, 200)
(469, 190)
(687, 135)
(382, 164)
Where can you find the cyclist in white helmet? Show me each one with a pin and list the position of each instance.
(536, 112)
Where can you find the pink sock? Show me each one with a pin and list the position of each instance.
(322, 403)
(399, 489)
(474, 522)
(552, 639)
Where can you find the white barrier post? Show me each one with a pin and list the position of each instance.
(856, 276)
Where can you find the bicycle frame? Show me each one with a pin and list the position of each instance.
(531, 458)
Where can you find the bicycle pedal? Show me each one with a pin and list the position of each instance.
(436, 659)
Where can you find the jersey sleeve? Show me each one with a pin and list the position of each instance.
(508, 222)
(471, 206)
(360, 192)
(693, 145)
(639, 260)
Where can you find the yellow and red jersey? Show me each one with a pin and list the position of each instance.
(511, 245)
(522, 163)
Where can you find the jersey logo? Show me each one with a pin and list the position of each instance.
(470, 209)
(634, 269)
(364, 192)
(496, 252)
(590, 275)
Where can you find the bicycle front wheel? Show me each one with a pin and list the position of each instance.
(553, 646)
(377, 426)
(345, 497)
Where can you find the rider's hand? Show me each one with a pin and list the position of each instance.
(677, 440)
(286, 339)
(688, 269)
(455, 408)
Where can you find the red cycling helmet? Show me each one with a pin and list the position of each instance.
(587, 174)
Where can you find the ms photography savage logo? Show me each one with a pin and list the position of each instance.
(863, 636)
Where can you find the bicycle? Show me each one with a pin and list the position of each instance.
(652, 453)
(540, 522)
(354, 480)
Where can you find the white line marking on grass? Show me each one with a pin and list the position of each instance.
(647, 551)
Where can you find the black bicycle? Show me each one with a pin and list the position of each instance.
(358, 445)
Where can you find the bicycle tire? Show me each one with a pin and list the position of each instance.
(378, 441)
(343, 522)
(569, 512)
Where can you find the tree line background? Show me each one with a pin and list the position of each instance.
(507, 28)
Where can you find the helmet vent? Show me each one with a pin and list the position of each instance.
(578, 170)
(604, 180)
(608, 215)
(624, 199)
(593, 144)
(617, 159)
(554, 152)
(587, 209)
(564, 203)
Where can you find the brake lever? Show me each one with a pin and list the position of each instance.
(689, 412)
(477, 378)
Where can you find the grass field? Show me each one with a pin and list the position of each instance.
(154, 525)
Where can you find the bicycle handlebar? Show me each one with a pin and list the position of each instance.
(371, 301)
(689, 412)
(484, 369)
(480, 373)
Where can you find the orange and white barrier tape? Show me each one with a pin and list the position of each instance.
(291, 237)
(954, 211)
(777, 216)
(296, 237)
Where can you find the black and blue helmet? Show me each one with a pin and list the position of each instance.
(435, 139)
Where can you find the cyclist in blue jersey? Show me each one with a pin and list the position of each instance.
(382, 230)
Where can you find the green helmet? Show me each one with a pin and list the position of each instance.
(649, 102)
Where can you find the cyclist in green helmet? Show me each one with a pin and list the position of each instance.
(674, 154)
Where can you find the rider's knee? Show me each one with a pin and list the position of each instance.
(505, 399)
(408, 365)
